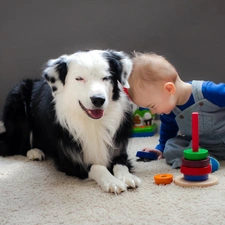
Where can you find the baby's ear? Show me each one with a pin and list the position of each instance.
(120, 66)
(55, 73)
(170, 87)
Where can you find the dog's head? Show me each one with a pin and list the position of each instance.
(88, 80)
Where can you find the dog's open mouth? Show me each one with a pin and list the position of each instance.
(93, 113)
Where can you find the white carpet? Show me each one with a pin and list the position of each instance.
(35, 193)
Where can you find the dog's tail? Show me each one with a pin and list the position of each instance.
(2, 131)
(2, 127)
(2, 137)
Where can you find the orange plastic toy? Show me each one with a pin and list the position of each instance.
(163, 178)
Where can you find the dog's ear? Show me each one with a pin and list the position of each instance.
(120, 66)
(55, 73)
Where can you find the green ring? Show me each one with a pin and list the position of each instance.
(199, 155)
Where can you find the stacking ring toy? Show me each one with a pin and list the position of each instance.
(196, 163)
(163, 178)
(196, 166)
(192, 155)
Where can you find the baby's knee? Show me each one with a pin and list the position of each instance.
(169, 155)
(172, 151)
(173, 158)
(169, 148)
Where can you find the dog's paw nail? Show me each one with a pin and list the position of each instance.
(132, 184)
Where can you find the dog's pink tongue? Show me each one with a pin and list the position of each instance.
(97, 113)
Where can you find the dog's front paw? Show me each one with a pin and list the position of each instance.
(113, 185)
(35, 154)
(121, 172)
(106, 180)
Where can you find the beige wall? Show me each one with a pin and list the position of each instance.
(190, 33)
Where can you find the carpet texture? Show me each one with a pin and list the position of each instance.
(34, 193)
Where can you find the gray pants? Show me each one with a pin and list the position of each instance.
(174, 148)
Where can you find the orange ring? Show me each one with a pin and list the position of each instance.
(163, 178)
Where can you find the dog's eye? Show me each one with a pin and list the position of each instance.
(106, 78)
(79, 78)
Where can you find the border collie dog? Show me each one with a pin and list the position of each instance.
(79, 114)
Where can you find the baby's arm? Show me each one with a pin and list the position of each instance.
(168, 130)
(214, 93)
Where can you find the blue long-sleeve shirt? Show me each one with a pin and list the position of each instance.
(215, 93)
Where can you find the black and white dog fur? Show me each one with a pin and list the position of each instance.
(78, 114)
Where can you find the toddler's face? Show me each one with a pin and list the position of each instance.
(156, 98)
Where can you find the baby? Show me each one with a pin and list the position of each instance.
(156, 84)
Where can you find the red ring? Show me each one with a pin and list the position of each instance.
(196, 171)
(195, 163)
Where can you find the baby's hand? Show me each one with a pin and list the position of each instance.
(156, 151)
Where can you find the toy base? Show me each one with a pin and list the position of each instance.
(180, 181)
(144, 131)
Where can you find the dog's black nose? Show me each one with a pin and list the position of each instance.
(97, 101)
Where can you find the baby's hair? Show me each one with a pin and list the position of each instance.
(150, 68)
(154, 67)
